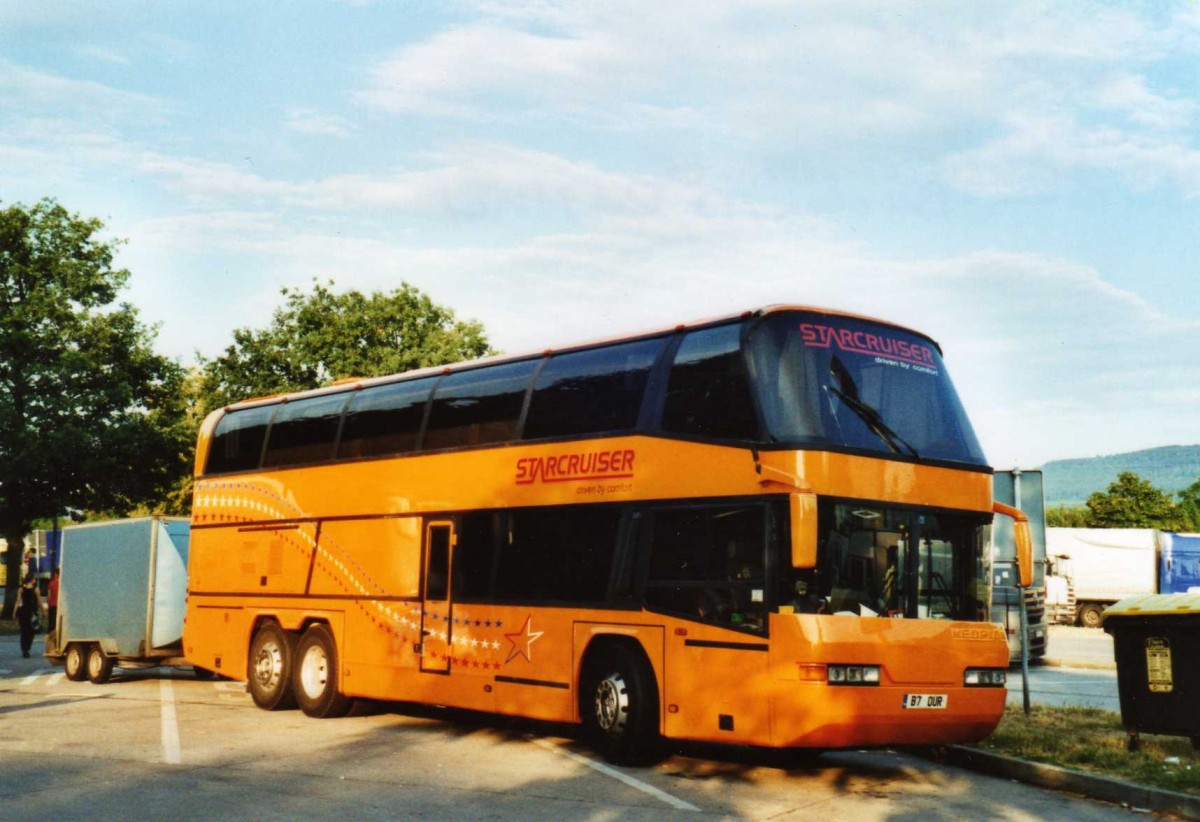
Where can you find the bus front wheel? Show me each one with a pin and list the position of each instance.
(315, 678)
(270, 668)
(620, 706)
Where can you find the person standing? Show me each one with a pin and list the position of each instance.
(52, 603)
(29, 602)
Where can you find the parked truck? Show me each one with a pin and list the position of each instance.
(1092, 568)
(1020, 489)
(122, 591)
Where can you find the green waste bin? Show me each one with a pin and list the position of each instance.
(1156, 641)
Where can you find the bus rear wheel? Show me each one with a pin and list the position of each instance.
(315, 677)
(620, 706)
(75, 662)
(270, 668)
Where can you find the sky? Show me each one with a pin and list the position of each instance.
(1019, 180)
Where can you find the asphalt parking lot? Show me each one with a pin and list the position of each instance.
(161, 743)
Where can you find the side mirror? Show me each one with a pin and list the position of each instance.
(803, 509)
(1024, 541)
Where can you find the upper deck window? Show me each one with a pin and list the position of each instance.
(593, 391)
(708, 394)
(304, 431)
(479, 406)
(238, 440)
(385, 419)
(857, 384)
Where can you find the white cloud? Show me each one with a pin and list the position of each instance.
(307, 121)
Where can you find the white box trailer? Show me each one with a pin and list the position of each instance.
(122, 595)
(1104, 565)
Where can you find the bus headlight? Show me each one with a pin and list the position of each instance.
(985, 678)
(854, 675)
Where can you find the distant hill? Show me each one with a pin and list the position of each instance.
(1171, 468)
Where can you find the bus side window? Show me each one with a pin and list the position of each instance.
(708, 393)
(385, 419)
(479, 406)
(707, 563)
(475, 555)
(238, 440)
(304, 431)
(597, 390)
(562, 554)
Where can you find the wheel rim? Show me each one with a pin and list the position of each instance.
(314, 671)
(612, 704)
(268, 666)
(95, 663)
(74, 661)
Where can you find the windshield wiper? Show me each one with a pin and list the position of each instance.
(873, 420)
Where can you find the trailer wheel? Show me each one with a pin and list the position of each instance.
(270, 674)
(75, 662)
(1090, 615)
(99, 665)
(619, 706)
(315, 678)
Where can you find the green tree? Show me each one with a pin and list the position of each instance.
(90, 416)
(1132, 502)
(1189, 507)
(320, 336)
(1067, 516)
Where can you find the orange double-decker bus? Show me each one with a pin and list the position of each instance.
(764, 529)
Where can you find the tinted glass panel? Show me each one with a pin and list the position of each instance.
(479, 406)
(303, 431)
(385, 419)
(708, 563)
(475, 554)
(559, 554)
(437, 571)
(858, 384)
(708, 394)
(238, 440)
(591, 391)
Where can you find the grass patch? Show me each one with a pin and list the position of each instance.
(1093, 740)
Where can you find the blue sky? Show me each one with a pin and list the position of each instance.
(1019, 180)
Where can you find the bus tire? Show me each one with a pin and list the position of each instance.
(1090, 615)
(269, 673)
(75, 662)
(619, 706)
(99, 665)
(315, 675)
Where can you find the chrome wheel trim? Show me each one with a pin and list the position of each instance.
(268, 666)
(612, 704)
(314, 671)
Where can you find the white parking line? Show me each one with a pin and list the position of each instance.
(55, 678)
(32, 678)
(170, 727)
(662, 796)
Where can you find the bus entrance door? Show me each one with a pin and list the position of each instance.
(437, 640)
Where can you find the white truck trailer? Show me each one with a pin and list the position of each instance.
(122, 592)
(1098, 566)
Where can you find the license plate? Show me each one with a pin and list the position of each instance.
(932, 702)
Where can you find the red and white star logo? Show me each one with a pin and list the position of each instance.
(522, 640)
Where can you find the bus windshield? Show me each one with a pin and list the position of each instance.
(850, 383)
(898, 562)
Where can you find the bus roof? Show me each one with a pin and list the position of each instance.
(355, 383)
